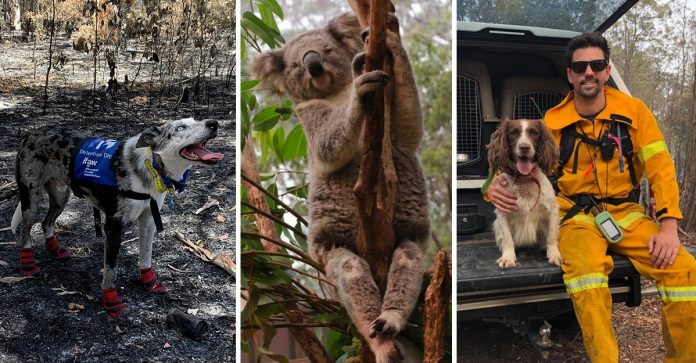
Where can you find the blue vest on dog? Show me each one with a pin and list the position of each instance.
(92, 163)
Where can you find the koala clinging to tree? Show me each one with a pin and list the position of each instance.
(322, 72)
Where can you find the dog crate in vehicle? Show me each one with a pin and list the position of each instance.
(474, 108)
(531, 97)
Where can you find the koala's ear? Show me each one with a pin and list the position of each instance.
(148, 137)
(345, 28)
(268, 67)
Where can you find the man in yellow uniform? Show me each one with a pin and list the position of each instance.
(610, 140)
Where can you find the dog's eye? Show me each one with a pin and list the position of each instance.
(533, 132)
(180, 128)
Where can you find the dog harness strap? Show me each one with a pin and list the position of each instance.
(151, 283)
(26, 263)
(55, 250)
(112, 303)
(154, 208)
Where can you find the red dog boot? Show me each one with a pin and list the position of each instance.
(55, 250)
(26, 263)
(151, 283)
(112, 304)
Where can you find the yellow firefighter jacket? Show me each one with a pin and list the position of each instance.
(650, 156)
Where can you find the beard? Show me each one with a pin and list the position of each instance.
(589, 88)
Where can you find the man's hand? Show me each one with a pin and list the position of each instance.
(664, 246)
(503, 199)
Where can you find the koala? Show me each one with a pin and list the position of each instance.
(322, 72)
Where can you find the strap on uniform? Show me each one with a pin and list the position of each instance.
(568, 145)
(587, 201)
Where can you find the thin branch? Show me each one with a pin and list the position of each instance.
(274, 218)
(276, 199)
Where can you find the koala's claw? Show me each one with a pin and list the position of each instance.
(392, 24)
(387, 324)
(376, 327)
(358, 64)
(371, 81)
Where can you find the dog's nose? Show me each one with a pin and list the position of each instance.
(525, 148)
(312, 61)
(211, 124)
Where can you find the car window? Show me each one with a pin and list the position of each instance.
(572, 15)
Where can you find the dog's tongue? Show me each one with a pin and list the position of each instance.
(205, 154)
(524, 167)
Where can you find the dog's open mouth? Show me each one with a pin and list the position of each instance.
(524, 165)
(198, 152)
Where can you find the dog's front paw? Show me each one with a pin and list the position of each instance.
(388, 324)
(507, 261)
(554, 257)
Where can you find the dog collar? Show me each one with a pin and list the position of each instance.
(524, 179)
(163, 183)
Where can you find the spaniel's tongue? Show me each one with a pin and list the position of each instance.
(204, 154)
(524, 166)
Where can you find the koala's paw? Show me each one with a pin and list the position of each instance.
(370, 82)
(358, 64)
(554, 256)
(507, 261)
(387, 352)
(388, 324)
(392, 25)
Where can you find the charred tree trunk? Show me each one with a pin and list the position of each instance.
(50, 53)
(688, 201)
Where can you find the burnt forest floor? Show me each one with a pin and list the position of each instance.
(36, 324)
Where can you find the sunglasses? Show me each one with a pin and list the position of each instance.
(597, 65)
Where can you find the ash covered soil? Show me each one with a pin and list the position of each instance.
(36, 324)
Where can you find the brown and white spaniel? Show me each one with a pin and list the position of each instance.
(524, 151)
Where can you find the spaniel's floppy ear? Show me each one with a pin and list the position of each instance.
(548, 154)
(499, 147)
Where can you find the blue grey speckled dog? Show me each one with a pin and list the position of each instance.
(127, 181)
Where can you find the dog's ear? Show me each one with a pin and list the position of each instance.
(148, 137)
(499, 148)
(548, 154)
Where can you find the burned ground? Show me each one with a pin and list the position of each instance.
(36, 324)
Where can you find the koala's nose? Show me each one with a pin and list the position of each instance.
(312, 62)
(211, 124)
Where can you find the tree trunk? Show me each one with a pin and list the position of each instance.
(688, 199)
(18, 16)
(50, 54)
(375, 190)
(437, 300)
(263, 224)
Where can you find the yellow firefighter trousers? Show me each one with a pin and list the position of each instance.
(586, 269)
